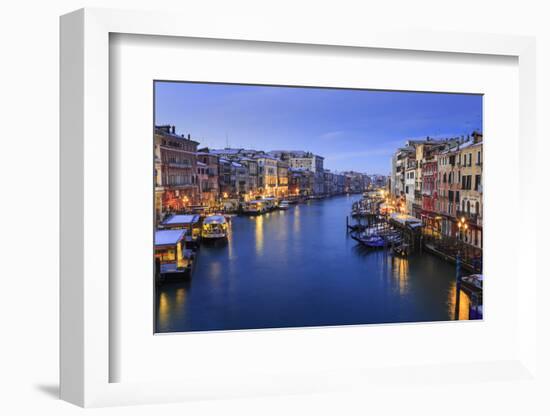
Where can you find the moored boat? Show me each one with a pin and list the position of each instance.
(214, 227)
(255, 206)
(284, 205)
(172, 257)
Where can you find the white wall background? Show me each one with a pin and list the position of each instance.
(29, 205)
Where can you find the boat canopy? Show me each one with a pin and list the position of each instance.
(215, 219)
(168, 237)
(182, 219)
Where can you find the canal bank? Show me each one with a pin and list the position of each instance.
(298, 268)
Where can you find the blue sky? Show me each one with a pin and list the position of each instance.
(353, 129)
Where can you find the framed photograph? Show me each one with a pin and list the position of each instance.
(281, 213)
(327, 217)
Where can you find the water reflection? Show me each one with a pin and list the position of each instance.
(259, 234)
(401, 273)
(300, 268)
(464, 304)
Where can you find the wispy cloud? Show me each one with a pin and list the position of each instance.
(331, 135)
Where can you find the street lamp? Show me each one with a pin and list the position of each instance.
(462, 227)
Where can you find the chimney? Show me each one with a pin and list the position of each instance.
(173, 129)
(188, 136)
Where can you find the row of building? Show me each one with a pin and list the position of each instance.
(187, 175)
(441, 182)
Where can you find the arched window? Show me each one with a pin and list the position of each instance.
(444, 177)
(477, 207)
(468, 207)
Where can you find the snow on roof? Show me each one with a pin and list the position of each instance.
(168, 237)
(181, 219)
(406, 219)
(225, 151)
(214, 219)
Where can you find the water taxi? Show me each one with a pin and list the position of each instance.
(255, 206)
(172, 257)
(270, 203)
(188, 222)
(214, 227)
(284, 205)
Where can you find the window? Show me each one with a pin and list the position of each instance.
(445, 178)
(469, 159)
(478, 158)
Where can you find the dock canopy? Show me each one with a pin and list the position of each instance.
(404, 219)
(168, 237)
(181, 220)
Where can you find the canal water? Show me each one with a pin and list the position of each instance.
(299, 268)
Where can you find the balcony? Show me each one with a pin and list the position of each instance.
(468, 216)
(180, 165)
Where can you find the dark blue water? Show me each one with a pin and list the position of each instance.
(299, 268)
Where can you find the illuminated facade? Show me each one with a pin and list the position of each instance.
(176, 180)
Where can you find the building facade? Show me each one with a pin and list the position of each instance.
(176, 180)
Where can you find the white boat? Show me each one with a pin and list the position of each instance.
(214, 227)
(284, 205)
(256, 206)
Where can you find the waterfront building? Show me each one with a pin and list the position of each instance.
(470, 157)
(247, 158)
(299, 159)
(356, 182)
(410, 184)
(393, 176)
(340, 180)
(267, 174)
(448, 187)
(402, 157)
(210, 192)
(378, 181)
(428, 213)
(282, 179)
(329, 185)
(202, 181)
(226, 180)
(252, 167)
(176, 182)
(240, 173)
(301, 182)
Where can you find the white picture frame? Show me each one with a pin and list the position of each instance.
(86, 355)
